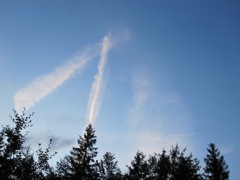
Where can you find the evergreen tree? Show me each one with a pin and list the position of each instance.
(159, 166)
(17, 161)
(108, 168)
(163, 166)
(63, 169)
(152, 166)
(82, 158)
(216, 167)
(183, 167)
(139, 168)
(27, 166)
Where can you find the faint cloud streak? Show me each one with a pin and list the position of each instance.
(57, 143)
(227, 150)
(158, 119)
(140, 86)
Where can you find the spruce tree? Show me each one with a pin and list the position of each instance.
(152, 166)
(183, 167)
(163, 166)
(216, 167)
(139, 168)
(108, 168)
(63, 168)
(82, 158)
(159, 166)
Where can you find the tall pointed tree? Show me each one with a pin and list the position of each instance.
(82, 158)
(138, 168)
(163, 166)
(108, 168)
(183, 167)
(159, 166)
(216, 167)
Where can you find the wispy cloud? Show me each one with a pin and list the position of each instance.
(158, 119)
(43, 85)
(227, 149)
(96, 90)
(58, 142)
(140, 86)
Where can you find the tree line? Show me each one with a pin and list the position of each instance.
(17, 161)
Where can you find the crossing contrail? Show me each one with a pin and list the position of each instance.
(43, 85)
(94, 97)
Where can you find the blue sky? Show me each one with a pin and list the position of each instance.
(170, 73)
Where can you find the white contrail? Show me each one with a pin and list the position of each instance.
(42, 86)
(96, 89)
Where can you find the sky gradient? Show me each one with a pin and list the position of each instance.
(150, 74)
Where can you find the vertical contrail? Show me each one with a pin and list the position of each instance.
(42, 86)
(96, 89)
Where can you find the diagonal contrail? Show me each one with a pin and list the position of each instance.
(94, 97)
(42, 86)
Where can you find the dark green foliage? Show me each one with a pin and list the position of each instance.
(159, 166)
(215, 168)
(138, 168)
(27, 167)
(108, 168)
(163, 166)
(16, 160)
(63, 168)
(183, 167)
(81, 162)
(44, 169)
(18, 163)
(175, 166)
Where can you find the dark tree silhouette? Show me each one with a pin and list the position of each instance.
(216, 167)
(163, 166)
(63, 168)
(43, 167)
(16, 162)
(81, 162)
(138, 168)
(152, 166)
(159, 166)
(108, 168)
(183, 167)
